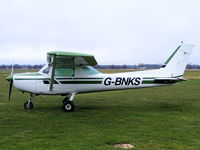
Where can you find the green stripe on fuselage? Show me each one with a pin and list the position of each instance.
(31, 78)
(76, 78)
(29, 74)
(80, 82)
(56, 78)
(70, 80)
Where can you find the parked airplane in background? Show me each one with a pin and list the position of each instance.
(68, 74)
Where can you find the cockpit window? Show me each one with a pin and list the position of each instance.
(46, 70)
(89, 70)
(60, 71)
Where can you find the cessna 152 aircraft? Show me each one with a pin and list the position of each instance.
(68, 74)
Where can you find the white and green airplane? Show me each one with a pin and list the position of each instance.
(69, 73)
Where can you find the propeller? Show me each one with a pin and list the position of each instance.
(10, 88)
(10, 79)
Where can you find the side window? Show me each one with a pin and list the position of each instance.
(46, 70)
(69, 72)
(89, 70)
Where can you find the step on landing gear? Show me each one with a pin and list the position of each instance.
(28, 104)
(68, 105)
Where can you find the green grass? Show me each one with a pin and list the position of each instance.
(164, 118)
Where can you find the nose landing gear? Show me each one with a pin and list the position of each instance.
(28, 104)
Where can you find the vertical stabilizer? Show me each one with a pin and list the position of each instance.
(175, 65)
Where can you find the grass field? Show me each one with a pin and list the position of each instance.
(164, 118)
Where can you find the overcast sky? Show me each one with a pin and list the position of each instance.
(115, 31)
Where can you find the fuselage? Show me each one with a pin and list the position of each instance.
(85, 79)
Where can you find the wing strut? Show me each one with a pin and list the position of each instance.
(52, 73)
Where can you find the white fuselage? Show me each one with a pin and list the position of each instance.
(82, 82)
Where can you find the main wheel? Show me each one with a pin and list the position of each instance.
(68, 106)
(28, 105)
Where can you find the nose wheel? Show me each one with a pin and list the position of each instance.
(28, 104)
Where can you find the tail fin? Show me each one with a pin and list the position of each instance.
(175, 65)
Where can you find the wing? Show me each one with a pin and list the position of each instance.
(71, 59)
(60, 58)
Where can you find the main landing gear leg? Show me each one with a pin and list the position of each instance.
(68, 105)
(28, 104)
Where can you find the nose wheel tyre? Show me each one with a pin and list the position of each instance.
(28, 105)
(68, 106)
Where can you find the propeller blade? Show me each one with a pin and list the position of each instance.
(10, 79)
(10, 88)
(12, 70)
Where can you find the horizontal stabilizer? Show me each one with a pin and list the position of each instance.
(169, 80)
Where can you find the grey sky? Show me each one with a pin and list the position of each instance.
(115, 31)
